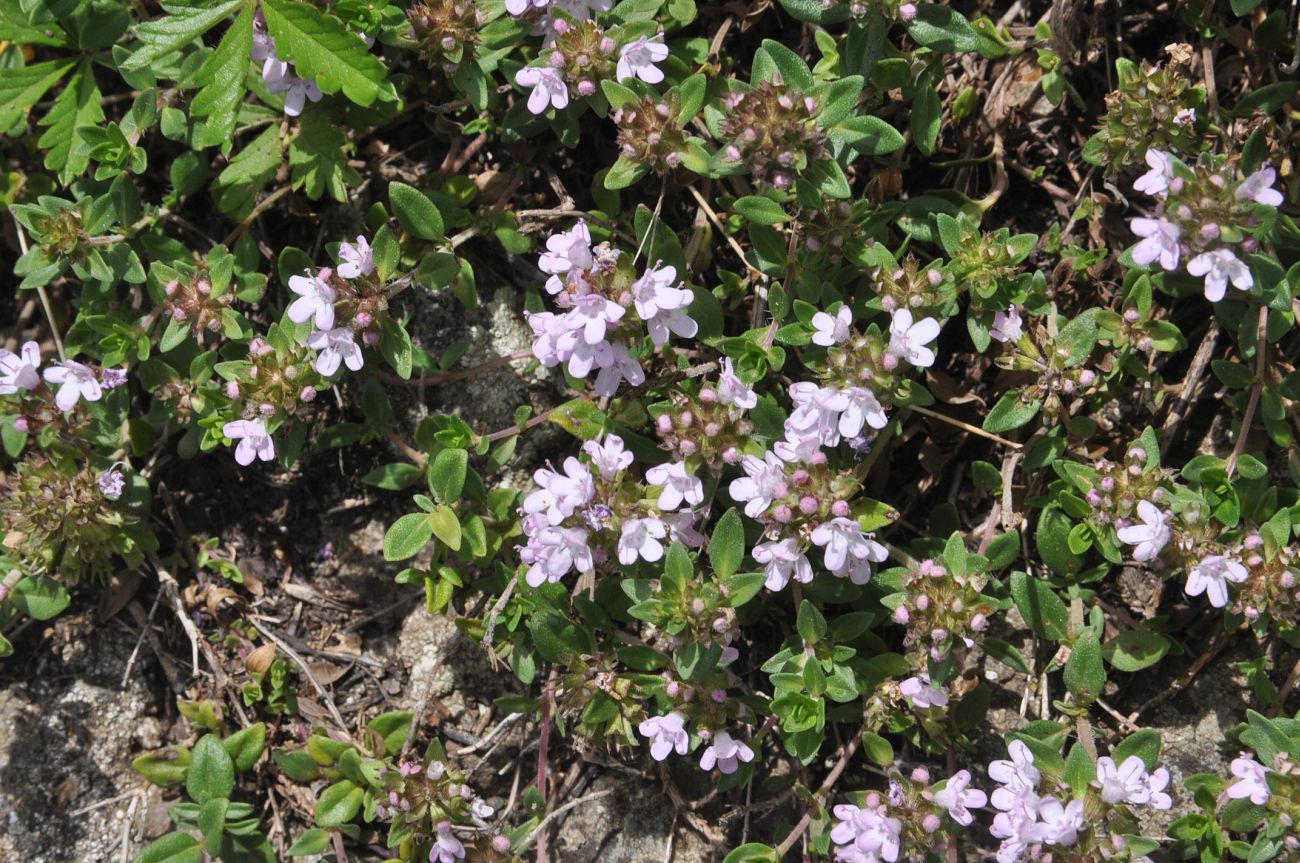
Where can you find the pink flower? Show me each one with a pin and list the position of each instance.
(76, 381)
(732, 390)
(553, 551)
(782, 560)
(659, 304)
(922, 694)
(1060, 823)
(359, 259)
(446, 847)
(315, 301)
(863, 409)
(1007, 326)
(640, 538)
(1211, 577)
(20, 371)
(1258, 187)
(726, 753)
(666, 734)
(1151, 536)
(1126, 783)
(610, 457)
(336, 346)
(618, 366)
(678, 485)
(763, 483)
(519, 7)
(817, 412)
(1156, 181)
(1252, 781)
(254, 441)
(637, 60)
(560, 493)
(1220, 267)
(1017, 776)
(958, 799)
(548, 87)
(828, 330)
(909, 341)
(849, 550)
(566, 251)
(1160, 243)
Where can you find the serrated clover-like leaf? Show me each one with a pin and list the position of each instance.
(222, 79)
(17, 25)
(321, 47)
(76, 108)
(318, 157)
(23, 87)
(170, 33)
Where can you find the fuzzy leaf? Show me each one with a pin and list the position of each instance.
(22, 87)
(211, 773)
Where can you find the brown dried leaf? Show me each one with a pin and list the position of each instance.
(259, 661)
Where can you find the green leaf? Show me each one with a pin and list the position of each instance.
(942, 29)
(446, 527)
(211, 820)
(794, 71)
(1052, 539)
(40, 597)
(1145, 744)
(339, 804)
(1007, 654)
(298, 766)
(211, 773)
(1135, 650)
(318, 158)
(237, 186)
(314, 841)
(407, 536)
(75, 109)
(393, 477)
(727, 545)
(927, 112)
(395, 345)
(760, 210)
(1039, 605)
(416, 213)
(323, 48)
(22, 87)
(222, 79)
(810, 623)
(753, 852)
(246, 745)
(162, 36)
(447, 474)
(1079, 770)
(877, 748)
(1084, 674)
(16, 25)
(1010, 413)
(1077, 338)
(624, 173)
(173, 847)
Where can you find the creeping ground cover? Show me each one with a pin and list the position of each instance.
(629, 430)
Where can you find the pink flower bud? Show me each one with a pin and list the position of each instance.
(889, 362)
(1253, 541)
(930, 823)
(1131, 316)
(179, 314)
(817, 459)
(672, 688)
(733, 153)
(979, 622)
(687, 447)
(708, 395)
(719, 696)
(922, 602)
(731, 455)
(586, 87)
(808, 504)
(782, 514)
(800, 477)
(907, 12)
(266, 408)
(1108, 484)
(21, 424)
(370, 338)
(712, 429)
(232, 390)
(888, 303)
(921, 775)
(840, 509)
(500, 844)
(664, 424)
(607, 45)
(900, 615)
(203, 286)
(1087, 378)
(308, 394)
(171, 288)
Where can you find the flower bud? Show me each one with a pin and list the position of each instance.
(203, 286)
(21, 424)
(266, 408)
(500, 844)
(370, 338)
(586, 87)
(808, 504)
(900, 615)
(664, 424)
(232, 390)
(840, 509)
(708, 395)
(731, 455)
(719, 696)
(930, 822)
(818, 458)
(782, 514)
(979, 622)
(922, 602)
(1087, 378)
(921, 775)
(907, 12)
(889, 362)
(800, 477)
(308, 394)
(687, 447)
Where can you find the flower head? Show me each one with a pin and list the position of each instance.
(76, 381)
(335, 346)
(1211, 577)
(315, 301)
(1126, 783)
(732, 390)
(1159, 243)
(566, 251)
(549, 89)
(1252, 781)
(254, 440)
(849, 550)
(1151, 536)
(1219, 267)
(909, 341)
(832, 330)
(782, 560)
(678, 485)
(666, 734)
(637, 60)
(111, 483)
(1061, 822)
(726, 752)
(959, 799)
(640, 537)
(358, 260)
(446, 847)
(922, 693)
(1155, 182)
(762, 484)
(609, 457)
(1007, 326)
(20, 371)
(1258, 187)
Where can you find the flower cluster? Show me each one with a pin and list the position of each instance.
(877, 827)
(1153, 106)
(650, 134)
(579, 56)
(1203, 216)
(770, 132)
(279, 75)
(68, 381)
(712, 424)
(1026, 820)
(447, 31)
(940, 609)
(593, 510)
(193, 301)
(431, 800)
(597, 293)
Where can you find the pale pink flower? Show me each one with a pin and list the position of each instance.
(832, 330)
(1219, 267)
(20, 371)
(1160, 242)
(959, 799)
(725, 752)
(1252, 781)
(549, 89)
(666, 734)
(1151, 536)
(679, 485)
(76, 381)
(922, 693)
(781, 561)
(910, 341)
(640, 537)
(1211, 577)
(637, 60)
(335, 346)
(1155, 182)
(254, 440)
(1258, 187)
(1007, 326)
(359, 260)
(315, 301)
